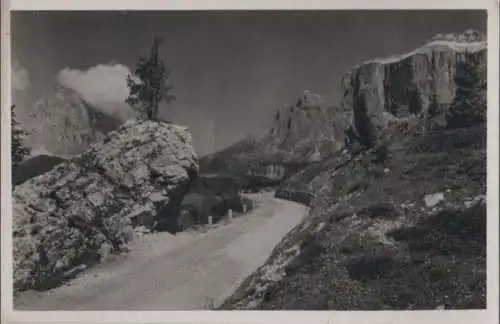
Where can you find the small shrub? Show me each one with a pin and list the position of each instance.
(469, 105)
(358, 186)
(381, 210)
(369, 267)
(380, 154)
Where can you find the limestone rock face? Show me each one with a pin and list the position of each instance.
(397, 87)
(306, 131)
(375, 211)
(303, 132)
(63, 217)
(63, 124)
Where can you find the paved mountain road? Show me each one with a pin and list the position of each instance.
(192, 270)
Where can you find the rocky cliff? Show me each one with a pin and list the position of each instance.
(306, 131)
(382, 90)
(303, 132)
(63, 124)
(401, 222)
(137, 175)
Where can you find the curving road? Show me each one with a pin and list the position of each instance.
(193, 270)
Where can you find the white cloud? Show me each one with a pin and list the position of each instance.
(20, 76)
(102, 86)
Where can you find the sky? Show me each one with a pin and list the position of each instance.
(230, 70)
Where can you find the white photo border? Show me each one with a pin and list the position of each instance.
(490, 315)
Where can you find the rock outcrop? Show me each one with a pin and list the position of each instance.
(381, 90)
(64, 217)
(395, 225)
(63, 124)
(306, 131)
(301, 133)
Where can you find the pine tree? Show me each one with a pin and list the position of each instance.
(151, 88)
(18, 150)
(469, 104)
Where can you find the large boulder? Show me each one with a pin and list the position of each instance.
(413, 84)
(64, 217)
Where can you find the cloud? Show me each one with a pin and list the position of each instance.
(20, 76)
(102, 86)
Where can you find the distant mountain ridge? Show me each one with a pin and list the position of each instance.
(301, 133)
(64, 124)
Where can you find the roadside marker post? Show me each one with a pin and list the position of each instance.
(210, 220)
(230, 214)
(244, 208)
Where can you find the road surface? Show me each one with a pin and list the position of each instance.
(190, 271)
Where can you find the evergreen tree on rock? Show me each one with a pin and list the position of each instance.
(148, 86)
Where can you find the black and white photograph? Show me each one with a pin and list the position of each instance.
(225, 160)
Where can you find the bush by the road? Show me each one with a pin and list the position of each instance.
(196, 208)
(212, 196)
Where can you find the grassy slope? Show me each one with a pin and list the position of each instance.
(370, 242)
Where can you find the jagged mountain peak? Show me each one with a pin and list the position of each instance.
(309, 99)
(64, 124)
(302, 132)
(308, 114)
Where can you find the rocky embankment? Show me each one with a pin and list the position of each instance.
(87, 207)
(399, 216)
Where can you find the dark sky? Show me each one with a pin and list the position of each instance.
(231, 71)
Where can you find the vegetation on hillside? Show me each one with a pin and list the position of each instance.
(372, 241)
(212, 196)
(469, 105)
(18, 148)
